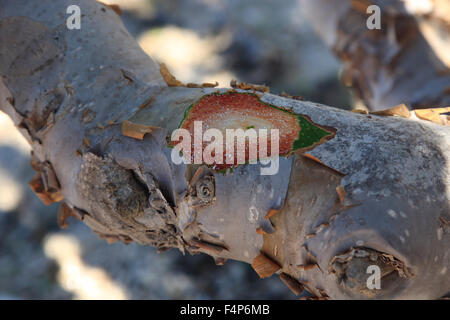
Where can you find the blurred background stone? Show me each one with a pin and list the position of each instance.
(258, 41)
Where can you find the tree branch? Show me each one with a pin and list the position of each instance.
(376, 192)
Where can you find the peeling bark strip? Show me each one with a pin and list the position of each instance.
(45, 183)
(295, 286)
(168, 77)
(401, 110)
(435, 115)
(395, 171)
(271, 213)
(307, 267)
(260, 230)
(64, 212)
(134, 130)
(115, 7)
(212, 248)
(249, 86)
(47, 197)
(341, 193)
(203, 85)
(264, 266)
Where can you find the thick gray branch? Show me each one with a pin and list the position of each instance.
(380, 193)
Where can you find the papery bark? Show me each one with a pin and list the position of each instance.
(378, 192)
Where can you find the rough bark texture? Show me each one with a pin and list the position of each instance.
(377, 193)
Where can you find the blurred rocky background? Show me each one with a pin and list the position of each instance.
(258, 41)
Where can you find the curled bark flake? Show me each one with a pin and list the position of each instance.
(49, 177)
(45, 183)
(341, 193)
(95, 225)
(87, 116)
(207, 246)
(113, 238)
(47, 197)
(317, 160)
(323, 294)
(360, 5)
(209, 85)
(35, 163)
(307, 267)
(86, 142)
(263, 231)
(220, 261)
(168, 77)
(360, 111)
(322, 226)
(311, 258)
(444, 225)
(310, 156)
(125, 239)
(249, 86)
(271, 213)
(135, 130)
(109, 238)
(264, 266)
(295, 286)
(116, 8)
(287, 95)
(434, 115)
(398, 265)
(309, 236)
(128, 75)
(313, 297)
(147, 102)
(260, 231)
(203, 85)
(65, 212)
(400, 110)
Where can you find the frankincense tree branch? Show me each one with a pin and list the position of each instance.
(403, 60)
(97, 113)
